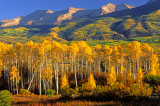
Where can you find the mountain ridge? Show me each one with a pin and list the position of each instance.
(58, 17)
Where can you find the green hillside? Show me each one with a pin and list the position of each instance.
(111, 28)
(105, 28)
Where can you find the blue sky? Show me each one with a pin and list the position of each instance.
(13, 8)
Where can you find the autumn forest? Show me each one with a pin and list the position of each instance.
(78, 68)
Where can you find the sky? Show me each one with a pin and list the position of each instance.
(13, 8)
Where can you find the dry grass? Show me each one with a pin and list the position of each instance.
(35, 100)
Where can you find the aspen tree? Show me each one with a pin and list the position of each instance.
(107, 54)
(98, 49)
(147, 52)
(14, 76)
(111, 76)
(19, 52)
(56, 51)
(115, 59)
(136, 55)
(82, 45)
(73, 48)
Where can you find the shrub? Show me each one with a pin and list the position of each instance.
(152, 80)
(76, 91)
(50, 92)
(24, 92)
(138, 90)
(101, 91)
(91, 84)
(121, 90)
(5, 98)
(64, 83)
(65, 89)
(67, 92)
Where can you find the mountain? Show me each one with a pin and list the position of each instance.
(148, 8)
(105, 28)
(56, 18)
(108, 22)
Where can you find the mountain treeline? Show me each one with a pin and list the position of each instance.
(38, 66)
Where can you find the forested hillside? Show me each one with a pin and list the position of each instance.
(112, 28)
(107, 28)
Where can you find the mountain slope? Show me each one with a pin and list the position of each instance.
(82, 28)
(40, 17)
(151, 6)
(112, 28)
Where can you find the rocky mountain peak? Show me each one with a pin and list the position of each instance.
(56, 18)
(49, 11)
(73, 10)
(109, 8)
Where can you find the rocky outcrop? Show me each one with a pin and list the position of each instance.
(49, 11)
(67, 16)
(11, 22)
(109, 8)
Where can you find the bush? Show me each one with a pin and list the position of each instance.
(140, 90)
(67, 92)
(50, 92)
(101, 90)
(24, 92)
(121, 90)
(152, 80)
(5, 98)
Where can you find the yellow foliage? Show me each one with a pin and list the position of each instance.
(107, 50)
(64, 83)
(122, 74)
(139, 27)
(47, 74)
(91, 84)
(140, 90)
(140, 76)
(130, 78)
(14, 74)
(55, 29)
(154, 66)
(111, 76)
(73, 48)
(129, 23)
